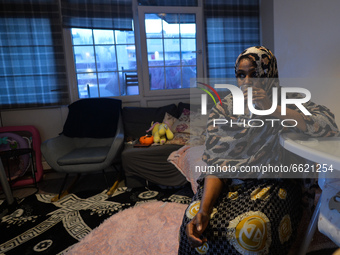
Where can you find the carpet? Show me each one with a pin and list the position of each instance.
(38, 226)
(150, 229)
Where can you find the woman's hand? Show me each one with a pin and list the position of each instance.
(261, 99)
(196, 227)
(259, 96)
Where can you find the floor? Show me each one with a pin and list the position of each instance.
(52, 181)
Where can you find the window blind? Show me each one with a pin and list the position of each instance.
(32, 71)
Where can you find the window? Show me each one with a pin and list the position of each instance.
(105, 62)
(171, 45)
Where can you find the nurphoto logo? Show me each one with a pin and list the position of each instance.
(239, 105)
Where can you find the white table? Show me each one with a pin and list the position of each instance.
(322, 150)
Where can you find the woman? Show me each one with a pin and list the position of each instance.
(242, 215)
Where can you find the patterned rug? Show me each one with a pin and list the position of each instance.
(38, 226)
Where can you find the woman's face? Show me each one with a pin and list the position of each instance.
(246, 74)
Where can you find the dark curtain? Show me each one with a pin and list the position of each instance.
(167, 2)
(32, 71)
(231, 27)
(97, 14)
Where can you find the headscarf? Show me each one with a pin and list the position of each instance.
(265, 65)
(263, 60)
(235, 146)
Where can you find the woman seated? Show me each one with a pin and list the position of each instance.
(250, 215)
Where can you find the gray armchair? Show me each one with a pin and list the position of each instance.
(92, 138)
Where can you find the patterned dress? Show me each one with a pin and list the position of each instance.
(255, 215)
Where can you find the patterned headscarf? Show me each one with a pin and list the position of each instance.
(265, 65)
(263, 60)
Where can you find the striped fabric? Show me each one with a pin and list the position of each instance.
(32, 71)
(231, 26)
(168, 2)
(97, 14)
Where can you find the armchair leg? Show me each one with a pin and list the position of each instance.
(65, 192)
(115, 185)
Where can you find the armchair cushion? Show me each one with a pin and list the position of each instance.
(91, 155)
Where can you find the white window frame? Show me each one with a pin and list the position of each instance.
(142, 10)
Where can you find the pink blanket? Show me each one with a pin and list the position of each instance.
(149, 228)
(188, 160)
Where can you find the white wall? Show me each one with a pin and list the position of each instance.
(306, 43)
(267, 24)
(50, 121)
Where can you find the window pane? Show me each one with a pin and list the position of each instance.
(156, 75)
(155, 52)
(153, 26)
(108, 84)
(188, 73)
(103, 36)
(125, 37)
(87, 85)
(106, 58)
(84, 56)
(129, 83)
(126, 57)
(188, 47)
(171, 25)
(173, 77)
(188, 30)
(82, 36)
(172, 56)
(188, 26)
